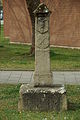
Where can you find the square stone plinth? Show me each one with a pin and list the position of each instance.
(42, 98)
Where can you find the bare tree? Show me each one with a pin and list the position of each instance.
(32, 5)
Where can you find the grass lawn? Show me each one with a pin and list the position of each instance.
(16, 57)
(9, 95)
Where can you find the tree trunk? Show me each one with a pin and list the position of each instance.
(32, 5)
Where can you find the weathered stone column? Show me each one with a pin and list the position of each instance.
(42, 95)
(42, 75)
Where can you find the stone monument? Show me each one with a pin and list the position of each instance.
(42, 75)
(42, 95)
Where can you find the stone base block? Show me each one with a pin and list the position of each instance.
(42, 98)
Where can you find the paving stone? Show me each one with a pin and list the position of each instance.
(3, 80)
(64, 77)
(24, 80)
(15, 76)
(17, 72)
(13, 82)
(27, 73)
(4, 75)
(25, 76)
(13, 79)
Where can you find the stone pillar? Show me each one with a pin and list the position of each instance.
(43, 75)
(42, 95)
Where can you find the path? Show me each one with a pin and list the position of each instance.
(15, 77)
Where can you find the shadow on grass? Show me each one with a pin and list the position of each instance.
(64, 56)
(1, 46)
(73, 106)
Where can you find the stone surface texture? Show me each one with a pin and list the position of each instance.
(41, 95)
(43, 74)
(42, 98)
(60, 77)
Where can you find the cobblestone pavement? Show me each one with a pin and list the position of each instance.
(16, 77)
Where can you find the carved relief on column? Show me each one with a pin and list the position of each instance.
(43, 75)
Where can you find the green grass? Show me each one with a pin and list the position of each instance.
(9, 95)
(16, 57)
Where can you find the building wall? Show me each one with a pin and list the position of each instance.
(19, 23)
(6, 18)
(64, 22)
